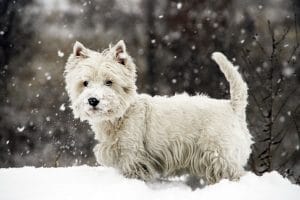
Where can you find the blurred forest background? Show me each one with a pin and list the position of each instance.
(171, 42)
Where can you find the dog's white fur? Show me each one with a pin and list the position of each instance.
(149, 137)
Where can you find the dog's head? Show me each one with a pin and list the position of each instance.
(101, 86)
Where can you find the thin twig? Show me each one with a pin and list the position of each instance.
(282, 38)
(249, 65)
(284, 103)
(295, 122)
(257, 104)
(296, 37)
(260, 46)
(56, 164)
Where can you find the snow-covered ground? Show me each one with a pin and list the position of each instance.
(78, 183)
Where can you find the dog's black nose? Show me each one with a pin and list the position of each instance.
(93, 101)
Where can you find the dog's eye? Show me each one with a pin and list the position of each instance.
(108, 83)
(85, 83)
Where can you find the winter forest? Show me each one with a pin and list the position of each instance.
(171, 42)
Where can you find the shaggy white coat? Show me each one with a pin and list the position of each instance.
(150, 137)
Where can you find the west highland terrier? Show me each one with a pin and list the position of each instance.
(148, 137)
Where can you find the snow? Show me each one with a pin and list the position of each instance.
(48, 119)
(48, 76)
(85, 182)
(60, 53)
(288, 71)
(62, 107)
(179, 5)
(21, 129)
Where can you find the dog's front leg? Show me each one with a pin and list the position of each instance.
(138, 169)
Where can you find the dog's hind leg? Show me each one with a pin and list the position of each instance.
(214, 167)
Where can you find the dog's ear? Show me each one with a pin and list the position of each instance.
(79, 50)
(119, 51)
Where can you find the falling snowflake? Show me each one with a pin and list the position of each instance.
(70, 36)
(48, 119)
(48, 76)
(288, 71)
(282, 119)
(20, 129)
(60, 53)
(215, 25)
(258, 69)
(283, 154)
(62, 107)
(179, 5)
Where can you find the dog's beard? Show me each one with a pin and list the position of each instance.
(107, 109)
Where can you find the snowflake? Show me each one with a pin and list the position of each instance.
(21, 129)
(60, 53)
(179, 5)
(62, 107)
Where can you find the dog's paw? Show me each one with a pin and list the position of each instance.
(139, 172)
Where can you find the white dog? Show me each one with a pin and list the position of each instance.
(150, 137)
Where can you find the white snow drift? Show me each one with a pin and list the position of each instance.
(78, 183)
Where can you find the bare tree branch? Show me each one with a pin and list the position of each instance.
(263, 50)
(296, 47)
(284, 103)
(249, 64)
(283, 36)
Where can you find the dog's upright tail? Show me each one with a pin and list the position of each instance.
(238, 87)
